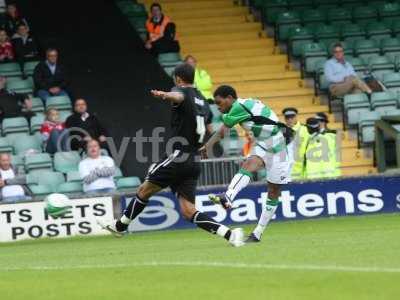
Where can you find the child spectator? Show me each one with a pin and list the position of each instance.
(52, 131)
(6, 48)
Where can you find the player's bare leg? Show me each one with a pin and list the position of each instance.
(203, 221)
(134, 208)
(274, 192)
(239, 181)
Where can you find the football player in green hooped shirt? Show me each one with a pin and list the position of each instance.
(269, 151)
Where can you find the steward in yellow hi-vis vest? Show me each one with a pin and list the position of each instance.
(297, 147)
(320, 160)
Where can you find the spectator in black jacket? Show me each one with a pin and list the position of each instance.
(12, 19)
(86, 126)
(25, 47)
(13, 104)
(50, 77)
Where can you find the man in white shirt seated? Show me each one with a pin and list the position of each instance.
(341, 76)
(97, 171)
(12, 181)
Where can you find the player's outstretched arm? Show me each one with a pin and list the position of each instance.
(174, 97)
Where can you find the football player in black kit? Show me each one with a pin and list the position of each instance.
(180, 169)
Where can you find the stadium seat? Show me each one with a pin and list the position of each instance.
(354, 106)
(135, 10)
(382, 100)
(65, 162)
(64, 114)
(17, 161)
(70, 188)
(59, 102)
(366, 129)
(313, 16)
(389, 11)
(378, 31)
(40, 190)
(74, 176)
(38, 161)
(36, 122)
(327, 34)
(271, 9)
(311, 54)
(321, 84)
(366, 48)
(5, 145)
(10, 70)
(169, 59)
(392, 81)
(37, 105)
(118, 173)
(15, 125)
(380, 65)
(300, 4)
(285, 22)
(128, 183)
(352, 32)
(50, 179)
(339, 14)
(29, 142)
(358, 64)
(29, 67)
(20, 86)
(297, 38)
(363, 15)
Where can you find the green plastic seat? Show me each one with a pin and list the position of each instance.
(383, 100)
(59, 102)
(169, 59)
(352, 31)
(128, 183)
(297, 38)
(134, 10)
(65, 162)
(30, 66)
(36, 122)
(390, 48)
(392, 82)
(366, 126)
(327, 34)
(118, 173)
(51, 179)
(21, 86)
(271, 9)
(74, 176)
(285, 21)
(37, 105)
(64, 114)
(17, 161)
(363, 15)
(313, 16)
(37, 161)
(300, 4)
(29, 142)
(366, 48)
(15, 125)
(10, 70)
(354, 106)
(378, 31)
(339, 14)
(70, 188)
(380, 65)
(311, 54)
(321, 83)
(389, 11)
(5, 145)
(40, 190)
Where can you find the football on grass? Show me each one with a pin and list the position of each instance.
(57, 205)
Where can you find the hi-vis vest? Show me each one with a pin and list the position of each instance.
(298, 146)
(321, 159)
(156, 31)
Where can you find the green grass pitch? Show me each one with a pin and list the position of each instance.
(336, 258)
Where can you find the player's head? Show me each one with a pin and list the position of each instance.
(290, 114)
(183, 74)
(224, 96)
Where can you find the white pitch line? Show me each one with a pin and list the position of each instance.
(327, 268)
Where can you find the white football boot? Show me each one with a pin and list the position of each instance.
(237, 237)
(110, 226)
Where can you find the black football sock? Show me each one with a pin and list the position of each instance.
(205, 222)
(134, 208)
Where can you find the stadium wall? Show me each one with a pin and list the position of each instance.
(317, 199)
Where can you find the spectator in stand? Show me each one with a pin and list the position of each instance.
(202, 79)
(96, 170)
(155, 25)
(13, 186)
(167, 43)
(13, 104)
(6, 48)
(50, 77)
(52, 131)
(13, 19)
(85, 125)
(26, 48)
(341, 75)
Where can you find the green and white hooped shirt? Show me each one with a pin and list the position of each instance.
(270, 136)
